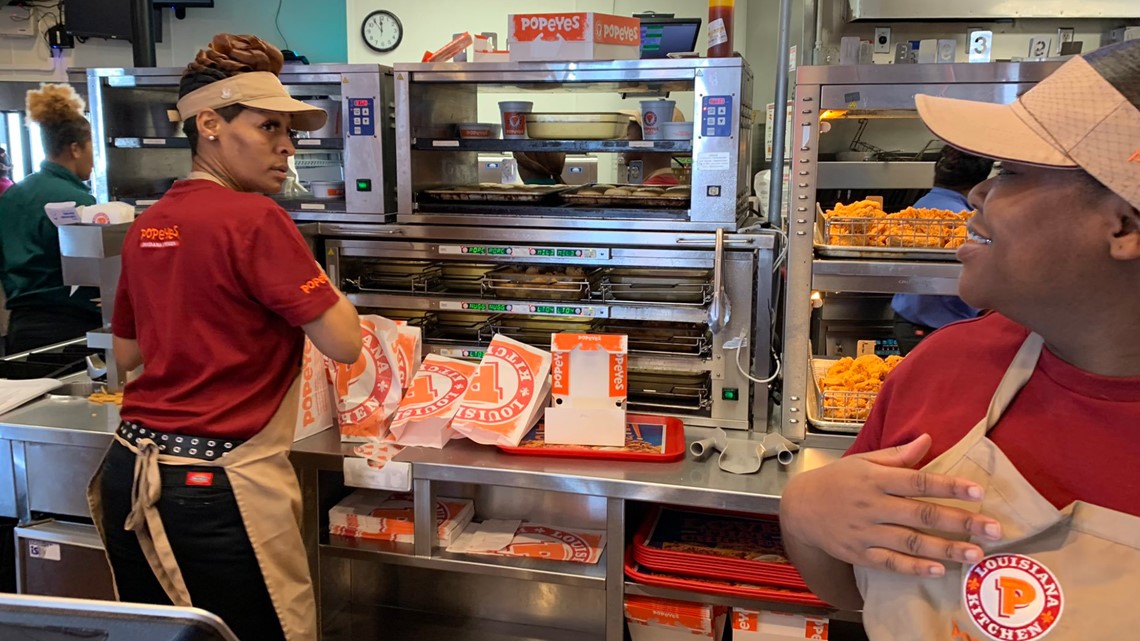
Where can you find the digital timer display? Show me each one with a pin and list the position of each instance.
(545, 309)
(568, 311)
(568, 253)
(476, 307)
(471, 354)
(543, 252)
(488, 251)
(359, 102)
(498, 307)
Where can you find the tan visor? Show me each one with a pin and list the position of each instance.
(257, 90)
(1074, 118)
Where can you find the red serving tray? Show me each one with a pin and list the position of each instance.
(711, 566)
(672, 428)
(707, 586)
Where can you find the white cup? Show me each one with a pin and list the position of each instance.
(514, 117)
(653, 113)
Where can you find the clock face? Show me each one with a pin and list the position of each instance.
(382, 31)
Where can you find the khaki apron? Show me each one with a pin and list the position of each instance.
(266, 489)
(1065, 575)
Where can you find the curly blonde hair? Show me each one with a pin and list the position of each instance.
(226, 55)
(58, 110)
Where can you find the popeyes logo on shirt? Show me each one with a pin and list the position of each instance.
(159, 237)
(1011, 596)
(313, 284)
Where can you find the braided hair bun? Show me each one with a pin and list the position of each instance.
(52, 105)
(228, 55)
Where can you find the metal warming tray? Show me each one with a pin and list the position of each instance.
(464, 277)
(683, 286)
(816, 401)
(670, 391)
(663, 201)
(396, 275)
(493, 193)
(536, 330)
(462, 326)
(663, 337)
(517, 282)
(577, 126)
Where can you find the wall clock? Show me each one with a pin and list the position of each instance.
(382, 31)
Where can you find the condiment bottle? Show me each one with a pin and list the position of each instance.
(720, 28)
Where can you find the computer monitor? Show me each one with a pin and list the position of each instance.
(99, 18)
(25, 616)
(662, 36)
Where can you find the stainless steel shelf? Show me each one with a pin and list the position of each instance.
(568, 146)
(572, 574)
(565, 221)
(638, 589)
(875, 175)
(355, 622)
(642, 362)
(129, 142)
(592, 309)
(889, 277)
(319, 216)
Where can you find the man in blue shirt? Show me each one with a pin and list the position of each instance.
(917, 315)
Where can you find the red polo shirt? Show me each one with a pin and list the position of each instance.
(215, 286)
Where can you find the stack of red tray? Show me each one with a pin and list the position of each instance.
(716, 552)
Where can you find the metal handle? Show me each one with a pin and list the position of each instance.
(720, 309)
(704, 240)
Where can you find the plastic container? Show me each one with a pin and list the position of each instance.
(720, 28)
(514, 117)
(327, 189)
(653, 113)
(477, 130)
(577, 126)
(682, 130)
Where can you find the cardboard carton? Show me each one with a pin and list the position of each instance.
(573, 36)
(589, 383)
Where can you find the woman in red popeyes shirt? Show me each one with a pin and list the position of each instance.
(217, 294)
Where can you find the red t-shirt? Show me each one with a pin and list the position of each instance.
(1072, 434)
(215, 286)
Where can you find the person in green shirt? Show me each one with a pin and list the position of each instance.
(44, 310)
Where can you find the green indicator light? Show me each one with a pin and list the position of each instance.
(730, 394)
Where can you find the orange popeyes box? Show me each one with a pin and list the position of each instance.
(653, 619)
(573, 36)
(589, 383)
(762, 625)
(315, 407)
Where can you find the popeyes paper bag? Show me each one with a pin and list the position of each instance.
(368, 391)
(315, 411)
(425, 413)
(409, 352)
(506, 395)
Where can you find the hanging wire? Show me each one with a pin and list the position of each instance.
(277, 23)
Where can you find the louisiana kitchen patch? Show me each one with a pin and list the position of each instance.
(1012, 597)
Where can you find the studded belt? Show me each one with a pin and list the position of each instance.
(199, 447)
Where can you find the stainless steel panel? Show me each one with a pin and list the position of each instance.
(864, 97)
(371, 158)
(989, 9)
(7, 481)
(58, 476)
(962, 73)
(355, 622)
(886, 277)
(62, 560)
(875, 175)
(506, 502)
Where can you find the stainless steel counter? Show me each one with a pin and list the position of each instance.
(686, 482)
(61, 420)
